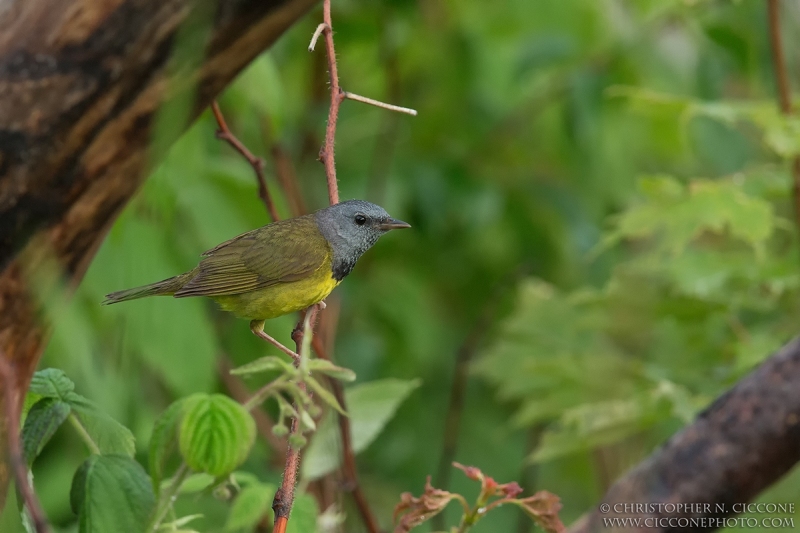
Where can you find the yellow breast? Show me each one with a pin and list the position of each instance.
(282, 298)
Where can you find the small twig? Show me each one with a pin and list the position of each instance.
(382, 105)
(225, 134)
(16, 460)
(784, 90)
(349, 468)
(320, 28)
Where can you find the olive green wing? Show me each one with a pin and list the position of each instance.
(281, 252)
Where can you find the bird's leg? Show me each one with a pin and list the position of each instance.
(257, 327)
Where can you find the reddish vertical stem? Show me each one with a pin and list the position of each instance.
(16, 459)
(326, 155)
(784, 90)
(284, 497)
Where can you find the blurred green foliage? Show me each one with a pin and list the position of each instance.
(628, 154)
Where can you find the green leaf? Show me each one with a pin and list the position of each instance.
(163, 440)
(250, 506)
(111, 493)
(51, 383)
(216, 434)
(679, 214)
(371, 406)
(194, 483)
(265, 364)
(109, 435)
(324, 394)
(304, 515)
(324, 366)
(43, 419)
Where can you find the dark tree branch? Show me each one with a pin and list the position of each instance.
(76, 116)
(745, 441)
(225, 134)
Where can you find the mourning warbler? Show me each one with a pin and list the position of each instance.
(282, 267)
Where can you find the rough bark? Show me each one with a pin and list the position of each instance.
(80, 82)
(745, 441)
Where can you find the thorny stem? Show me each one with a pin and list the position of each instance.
(16, 460)
(284, 497)
(303, 338)
(225, 134)
(326, 154)
(784, 90)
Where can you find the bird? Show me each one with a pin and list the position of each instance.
(280, 268)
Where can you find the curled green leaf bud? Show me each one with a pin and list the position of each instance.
(279, 430)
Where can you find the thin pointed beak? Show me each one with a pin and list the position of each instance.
(393, 223)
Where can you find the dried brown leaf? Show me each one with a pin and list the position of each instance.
(415, 510)
(543, 508)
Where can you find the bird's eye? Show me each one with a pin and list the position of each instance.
(361, 219)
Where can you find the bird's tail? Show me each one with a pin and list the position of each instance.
(166, 287)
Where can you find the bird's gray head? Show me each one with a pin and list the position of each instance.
(351, 228)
